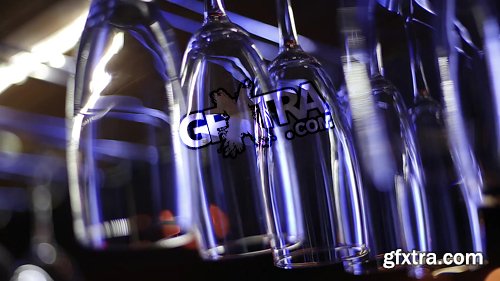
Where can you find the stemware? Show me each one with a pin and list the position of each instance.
(491, 33)
(453, 218)
(406, 196)
(396, 214)
(129, 185)
(46, 257)
(30, 175)
(447, 41)
(478, 56)
(482, 52)
(224, 76)
(407, 191)
(317, 208)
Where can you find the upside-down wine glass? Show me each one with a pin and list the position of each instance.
(317, 206)
(224, 76)
(479, 32)
(31, 174)
(453, 218)
(46, 257)
(396, 214)
(129, 185)
(487, 14)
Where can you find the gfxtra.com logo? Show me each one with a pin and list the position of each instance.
(224, 123)
(298, 112)
(229, 122)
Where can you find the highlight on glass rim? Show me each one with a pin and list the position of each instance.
(249, 140)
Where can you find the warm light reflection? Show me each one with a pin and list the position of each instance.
(29, 272)
(454, 269)
(111, 229)
(220, 221)
(494, 275)
(41, 71)
(10, 143)
(57, 61)
(368, 124)
(50, 50)
(61, 41)
(100, 78)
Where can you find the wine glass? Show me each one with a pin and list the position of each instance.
(317, 208)
(479, 47)
(478, 59)
(489, 18)
(33, 174)
(46, 257)
(407, 193)
(396, 215)
(224, 76)
(129, 185)
(453, 218)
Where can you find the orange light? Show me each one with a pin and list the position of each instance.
(169, 228)
(494, 275)
(220, 221)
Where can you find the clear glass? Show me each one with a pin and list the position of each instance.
(223, 77)
(46, 256)
(396, 215)
(453, 220)
(315, 190)
(32, 173)
(453, 215)
(479, 60)
(129, 184)
(399, 211)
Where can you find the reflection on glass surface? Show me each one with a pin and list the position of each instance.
(396, 213)
(223, 76)
(31, 272)
(401, 210)
(128, 183)
(453, 216)
(478, 60)
(31, 179)
(315, 189)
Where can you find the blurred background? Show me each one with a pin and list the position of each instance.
(38, 44)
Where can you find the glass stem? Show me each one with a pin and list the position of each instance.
(42, 213)
(374, 60)
(286, 25)
(214, 10)
(420, 88)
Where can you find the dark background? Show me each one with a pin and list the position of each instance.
(316, 20)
